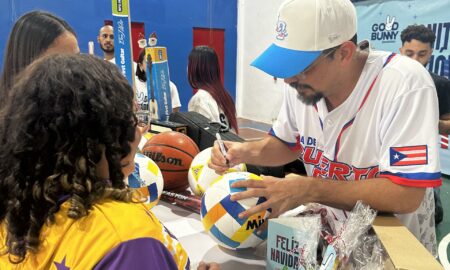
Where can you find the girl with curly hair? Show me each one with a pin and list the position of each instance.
(68, 139)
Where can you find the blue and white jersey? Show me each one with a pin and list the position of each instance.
(387, 127)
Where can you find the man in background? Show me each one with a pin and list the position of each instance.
(417, 43)
(106, 40)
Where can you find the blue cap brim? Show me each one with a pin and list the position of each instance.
(284, 63)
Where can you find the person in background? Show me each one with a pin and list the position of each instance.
(141, 84)
(362, 122)
(69, 174)
(417, 43)
(34, 34)
(176, 104)
(105, 39)
(211, 99)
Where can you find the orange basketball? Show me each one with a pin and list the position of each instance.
(173, 152)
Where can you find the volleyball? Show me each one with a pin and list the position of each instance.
(147, 178)
(219, 214)
(200, 176)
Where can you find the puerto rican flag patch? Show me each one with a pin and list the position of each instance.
(408, 155)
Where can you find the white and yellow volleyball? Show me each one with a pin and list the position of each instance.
(220, 215)
(147, 177)
(200, 176)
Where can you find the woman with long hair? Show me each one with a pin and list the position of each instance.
(33, 35)
(68, 138)
(212, 99)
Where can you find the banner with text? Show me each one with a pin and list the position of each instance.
(122, 38)
(381, 22)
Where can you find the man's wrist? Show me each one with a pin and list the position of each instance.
(304, 190)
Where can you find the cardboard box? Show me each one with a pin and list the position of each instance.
(403, 248)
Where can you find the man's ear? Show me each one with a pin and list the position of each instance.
(98, 39)
(401, 50)
(346, 51)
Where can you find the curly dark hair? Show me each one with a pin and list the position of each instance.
(418, 32)
(66, 111)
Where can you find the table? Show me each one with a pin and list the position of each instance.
(187, 227)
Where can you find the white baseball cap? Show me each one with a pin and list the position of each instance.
(304, 29)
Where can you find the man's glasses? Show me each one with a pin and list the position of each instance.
(316, 62)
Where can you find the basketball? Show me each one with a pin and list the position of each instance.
(173, 152)
(147, 178)
(201, 176)
(220, 215)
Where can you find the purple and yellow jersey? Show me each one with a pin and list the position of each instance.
(115, 235)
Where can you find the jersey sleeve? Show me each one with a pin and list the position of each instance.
(141, 253)
(409, 136)
(285, 127)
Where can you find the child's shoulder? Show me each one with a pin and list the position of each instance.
(128, 220)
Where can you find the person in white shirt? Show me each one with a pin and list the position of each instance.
(361, 121)
(105, 39)
(141, 84)
(211, 99)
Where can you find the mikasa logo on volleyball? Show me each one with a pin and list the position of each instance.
(254, 223)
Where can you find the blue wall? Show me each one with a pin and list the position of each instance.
(172, 20)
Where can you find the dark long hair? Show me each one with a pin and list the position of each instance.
(141, 73)
(32, 34)
(58, 121)
(204, 73)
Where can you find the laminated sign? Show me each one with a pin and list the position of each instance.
(292, 243)
(158, 83)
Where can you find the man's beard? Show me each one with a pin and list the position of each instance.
(106, 50)
(308, 99)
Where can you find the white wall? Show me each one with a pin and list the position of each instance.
(258, 96)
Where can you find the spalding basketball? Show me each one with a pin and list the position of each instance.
(220, 218)
(173, 152)
(201, 176)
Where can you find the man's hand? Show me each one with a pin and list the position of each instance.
(220, 163)
(282, 194)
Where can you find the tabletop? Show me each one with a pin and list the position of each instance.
(188, 228)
